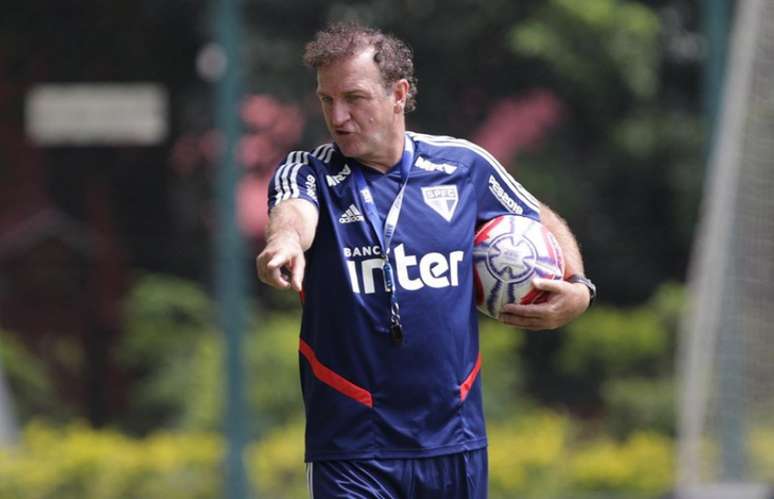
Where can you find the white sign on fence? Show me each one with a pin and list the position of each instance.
(87, 114)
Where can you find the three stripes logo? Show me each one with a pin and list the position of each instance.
(351, 215)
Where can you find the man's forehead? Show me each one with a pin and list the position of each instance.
(355, 70)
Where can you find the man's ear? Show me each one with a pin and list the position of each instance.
(400, 92)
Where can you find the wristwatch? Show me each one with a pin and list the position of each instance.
(577, 278)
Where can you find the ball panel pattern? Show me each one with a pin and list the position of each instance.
(508, 252)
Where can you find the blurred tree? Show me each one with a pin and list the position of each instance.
(166, 320)
(115, 194)
(31, 391)
(502, 370)
(617, 364)
(175, 354)
(625, 166)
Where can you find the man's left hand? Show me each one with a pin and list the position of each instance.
(565, 302)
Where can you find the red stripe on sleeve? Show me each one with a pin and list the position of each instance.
(335, 381)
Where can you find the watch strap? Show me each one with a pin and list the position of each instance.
(581, 279)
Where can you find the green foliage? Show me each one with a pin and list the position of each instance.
(613, 367)
(270, 357)
(533, 455)
(642, 466)
(501, 371)
(595, 45)
(172, 343)
(28, 380)
(761, 446)
(161, 314)
(276, 462)
(627, 352)
(625, 166)
(635, 404)
(80, 463)
(526, 455)
(537, 456)
(167, 323)
(613, 342)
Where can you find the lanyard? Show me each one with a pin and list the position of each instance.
(385, 231)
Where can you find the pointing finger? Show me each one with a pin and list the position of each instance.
(297, 273)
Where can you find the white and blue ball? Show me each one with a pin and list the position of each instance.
(508, 252)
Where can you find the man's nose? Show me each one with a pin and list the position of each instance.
(339, 114)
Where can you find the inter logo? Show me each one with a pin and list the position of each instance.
(413, 272)
(442, 198)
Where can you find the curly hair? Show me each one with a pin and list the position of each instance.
(392, 56)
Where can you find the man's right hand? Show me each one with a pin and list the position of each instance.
(292, 224)
(281, 263)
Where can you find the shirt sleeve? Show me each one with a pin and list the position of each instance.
(497, 191)
(294, 178)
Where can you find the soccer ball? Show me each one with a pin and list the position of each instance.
(508, 252)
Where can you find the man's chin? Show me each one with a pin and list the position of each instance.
(347, 149)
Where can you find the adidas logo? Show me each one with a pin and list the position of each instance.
(351, 215)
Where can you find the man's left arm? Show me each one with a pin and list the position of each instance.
(566, 301)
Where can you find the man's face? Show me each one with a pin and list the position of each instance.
(364, 118)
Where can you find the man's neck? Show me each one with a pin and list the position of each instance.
(391, 158)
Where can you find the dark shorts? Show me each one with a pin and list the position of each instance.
(454, 476)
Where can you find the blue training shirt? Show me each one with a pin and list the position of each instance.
(366, 396)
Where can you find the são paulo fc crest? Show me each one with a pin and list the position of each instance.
(442, 198)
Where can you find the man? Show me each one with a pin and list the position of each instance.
(389, 336)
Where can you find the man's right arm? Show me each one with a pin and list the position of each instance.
(292, 225)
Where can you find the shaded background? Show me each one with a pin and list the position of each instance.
(109, 342)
